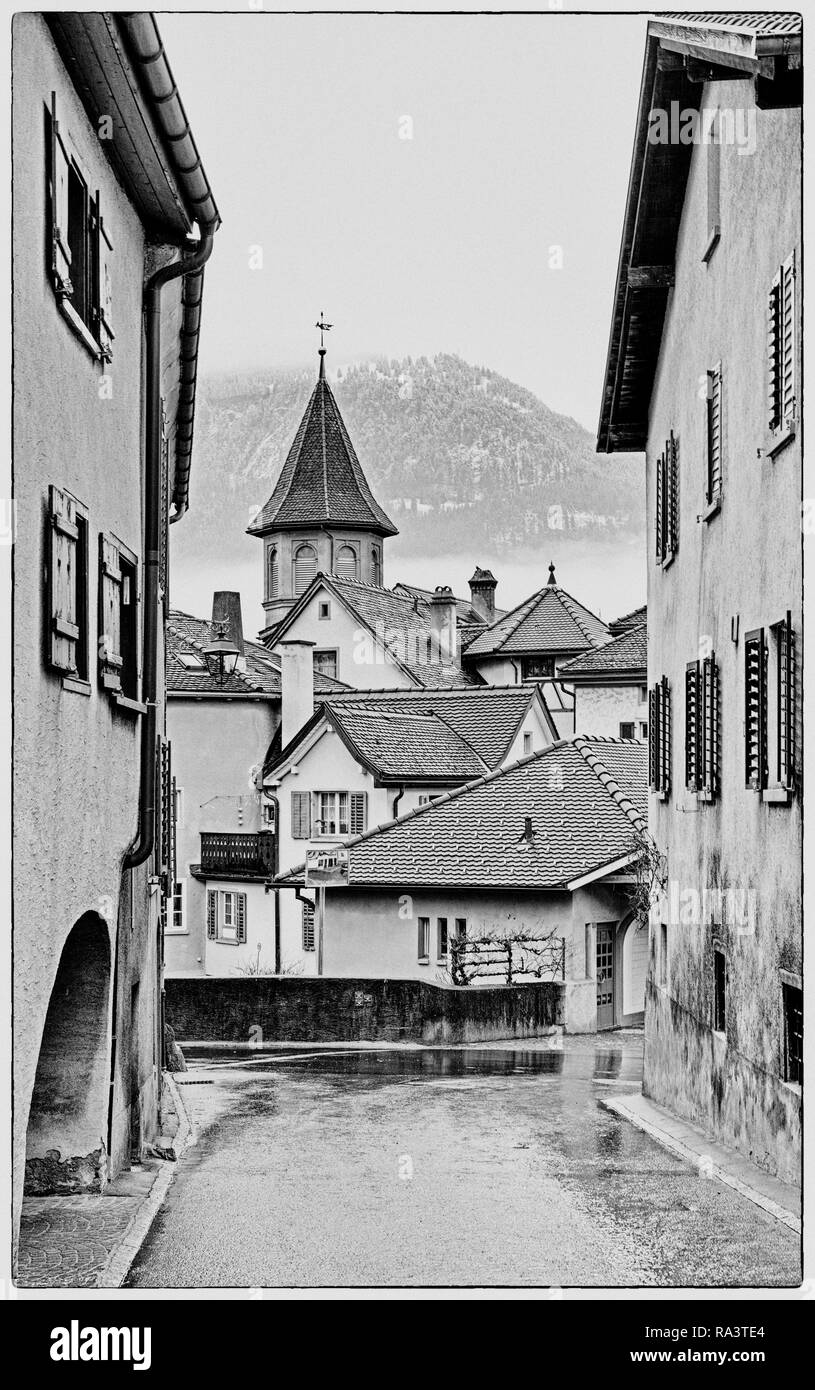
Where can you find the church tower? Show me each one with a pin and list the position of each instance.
(322, 515)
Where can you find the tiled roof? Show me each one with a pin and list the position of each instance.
(322, 479)
(401, 622)
(767, 23)
(404, 744)
(585, 798)
(465, 612)
(487, 717)
(637, 618)
(628, 652)
(549, 621)
(188, 635)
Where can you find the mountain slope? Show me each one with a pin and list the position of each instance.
(457, 455)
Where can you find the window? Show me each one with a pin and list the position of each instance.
(425, 798)
(441, 938)
(226, 917)
(755, 709)
(346, 562)
(376, 566)
(118, 620)
(340, 813)
(714, 153)
(663, 955)
(659, 738)
(781, 355)
(538, 667)
(272, 573)
(308, 926)
(305, 567)
(190, 661)
(424, 938)
(301, 815)
(527, 743)
(713, 405)
(667, 502)
(785, 702)
(770, 712)
(164, 845)
(325, 663)
(626, 731)
(79, 250)
(643, 728)
(324, 611)
(793, 1003)
(719, 990)
(66, 559)
(702, 726)
(175, 918)
(642, 694)
(461, 928)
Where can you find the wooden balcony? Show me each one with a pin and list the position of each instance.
(236, 855)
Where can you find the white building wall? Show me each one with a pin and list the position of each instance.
(361, 663)
(600, 710)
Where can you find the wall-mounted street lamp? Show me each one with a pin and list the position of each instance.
(221, 655)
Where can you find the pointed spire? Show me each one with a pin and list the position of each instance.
(551, 579)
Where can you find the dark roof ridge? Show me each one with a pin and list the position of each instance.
(598, 767)
(568, 601)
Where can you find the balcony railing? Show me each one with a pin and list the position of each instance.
(239, 854)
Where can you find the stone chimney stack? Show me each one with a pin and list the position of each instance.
(297, 685)
(443, 625)
(226, 609)
(482, 594)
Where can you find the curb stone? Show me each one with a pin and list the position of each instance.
(118, 1266)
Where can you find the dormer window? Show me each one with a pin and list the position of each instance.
(190, 661)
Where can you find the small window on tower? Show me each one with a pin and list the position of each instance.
(305, 567)
(346, 564)
(376, 566)
(273, 577)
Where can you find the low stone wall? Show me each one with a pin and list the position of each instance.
(691, 1071)
(288, 1008)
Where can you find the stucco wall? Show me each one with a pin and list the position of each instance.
(362, 663)
(599, 710)
(743, 565)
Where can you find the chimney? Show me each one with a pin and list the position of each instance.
(443, 625)
(226, 609)
(297, 685)
(482, 593)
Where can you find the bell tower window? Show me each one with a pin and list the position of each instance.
(305, 567)
(272, 581)
(346, 562)
(376, 566)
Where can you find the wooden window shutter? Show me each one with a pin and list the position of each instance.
(653, 736)
(103, 313)
(301, 815)
(692, 730)
(786, 702)
(709, 697)
(755, 709)
(774, 353)
(664, 735)
(110, 614)
(240, 912)
(672, 489)
(714, 432)
(787, 383)
(660, 507)
(212, 915)
(308, 926)
(60, 248)
(358, 813)
(62, 581)
(164, 521)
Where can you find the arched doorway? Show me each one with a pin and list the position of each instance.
(65, 1144)
(633, 937)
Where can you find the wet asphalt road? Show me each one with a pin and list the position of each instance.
(489, 1166)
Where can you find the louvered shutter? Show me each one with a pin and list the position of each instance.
(710, 724)
(300, 815)
(110, 615)
(102, 252)
(308, 926)
(660, 506)
(60, 248)
(755, 709)
(164, 521)
(692, 778)
(672, 489)
(774, 353)
(714, 432)
(786, 702)
(240, 910)
(358, 817)
(346, 563)
(787, 385)
(62, 581)
(664, 736)
(653, 736)
(305, 568)
(212, 915)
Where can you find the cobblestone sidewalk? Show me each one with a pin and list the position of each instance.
(65, 1242)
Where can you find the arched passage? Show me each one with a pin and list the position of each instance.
(634, 935)
(65, 1146)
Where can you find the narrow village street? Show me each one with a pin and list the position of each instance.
(489, 1165)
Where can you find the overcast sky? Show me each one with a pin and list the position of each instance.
(522, 132)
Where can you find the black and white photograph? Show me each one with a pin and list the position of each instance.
(404, 573)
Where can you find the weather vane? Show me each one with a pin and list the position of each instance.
(323, 327)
